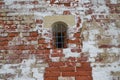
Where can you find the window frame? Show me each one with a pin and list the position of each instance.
(59, 35)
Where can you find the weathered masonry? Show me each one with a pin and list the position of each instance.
(59, 40)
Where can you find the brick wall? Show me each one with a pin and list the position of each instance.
(26, 44)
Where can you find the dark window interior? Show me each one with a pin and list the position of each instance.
(59, 40)
(59, 35)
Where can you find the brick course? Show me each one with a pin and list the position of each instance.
(23, 33)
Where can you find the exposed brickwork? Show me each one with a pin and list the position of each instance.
(65, 70)
(27, 46)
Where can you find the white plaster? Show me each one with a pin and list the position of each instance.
(68, 53)
(104, 73)
(90, 46)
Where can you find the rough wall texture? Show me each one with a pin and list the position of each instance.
(26, 44)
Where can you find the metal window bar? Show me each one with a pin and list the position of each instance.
(61, 37)
(56, 36)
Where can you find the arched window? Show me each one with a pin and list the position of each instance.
(59, 30)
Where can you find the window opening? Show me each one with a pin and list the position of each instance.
(59, 35)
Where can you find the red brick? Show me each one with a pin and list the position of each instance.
(12, 34)
(41, 41)
(70, 64)
(3, 47)
(57, 50)
(3, 43)
(52, 69)
(39, 21)
(84, 69)
(72, 41)
(56, 64)
(2, 3)
(67, 4)
(39, 52)
(69, 74)
(77, 34)
(84, 73)
(105, 46)
(1, 58)
(83, 78)
(57, 55)
(52, 74)
(79, 50)
(33, 34)
(51, 78)
(35, 2)
(47, 59)
(33, 52)
(2, 23)
(67, 12)
(85, 64)
(13, 27)
(118, 46)
(80, 69)
(71, 59)
(21, 2)
(45, 45)
(10, 27)
(31, 38)
(21, 47)
(76, 50)
(77, 40)
(43, 51)
(47, 51)
(67, 69)
(82, 59)
(42, 46)
(78, 22)
(52, 1)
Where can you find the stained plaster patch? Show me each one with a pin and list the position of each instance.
(68, 19)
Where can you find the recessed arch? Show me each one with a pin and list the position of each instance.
(59, 26)
(59, 30)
